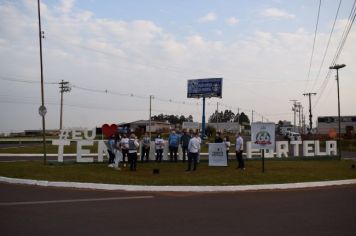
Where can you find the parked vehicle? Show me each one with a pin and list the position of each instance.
(293, 136)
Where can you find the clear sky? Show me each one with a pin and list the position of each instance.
(115, 54)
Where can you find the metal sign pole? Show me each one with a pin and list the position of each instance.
(203, 121)
(263, 161)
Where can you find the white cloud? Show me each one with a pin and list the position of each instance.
(66, 6)
(277, 13)
(232, 21)
(211, 16)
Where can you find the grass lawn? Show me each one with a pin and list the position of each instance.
(282, 171)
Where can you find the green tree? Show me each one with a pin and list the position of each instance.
(210, 131)
(223, 116)
(173, 119)
(242, 119)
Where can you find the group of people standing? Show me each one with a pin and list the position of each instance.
(121, 147)
(238, 148)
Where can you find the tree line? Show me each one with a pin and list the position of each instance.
(222, 116)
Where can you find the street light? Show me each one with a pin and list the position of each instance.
(42, 109)
(337, 67)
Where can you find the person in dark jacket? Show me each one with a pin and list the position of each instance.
(218, 139)
(184, 143)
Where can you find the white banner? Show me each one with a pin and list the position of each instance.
(217, 154)
(263, 135)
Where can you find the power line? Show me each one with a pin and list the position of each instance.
(339, 49)
(12, 79)
(131, 95)
(312, 54)
(327, 45)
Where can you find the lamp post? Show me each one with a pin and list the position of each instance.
(42, 109)
(337, 67)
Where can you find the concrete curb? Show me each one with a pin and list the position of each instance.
(145, 188)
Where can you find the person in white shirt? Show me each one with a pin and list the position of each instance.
(193, 151)
(124, 147)
(227, 145)
(159, 145)
(239, 151)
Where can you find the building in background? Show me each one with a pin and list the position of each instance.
(326, 124)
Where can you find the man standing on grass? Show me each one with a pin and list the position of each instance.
(193, 151)
(132, 153)
(184, 142)
(239, 151)
(125, 147)
(173, 142)
(145, 151)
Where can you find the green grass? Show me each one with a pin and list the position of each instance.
(174, 173)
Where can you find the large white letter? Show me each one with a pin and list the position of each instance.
(248, 150)
(93, 134)
(282, 148)
(331, 148)
(81, 151)
(296, 147)
(307, 148)
(269, 153)
(317, 149)
(76, 135)
(61, 143)
(102, 149)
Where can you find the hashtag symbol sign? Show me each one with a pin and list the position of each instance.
(64, 134)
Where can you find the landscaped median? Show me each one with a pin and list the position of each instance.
(276, 172)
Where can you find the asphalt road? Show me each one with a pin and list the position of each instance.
(29, 210)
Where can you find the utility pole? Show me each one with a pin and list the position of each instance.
(42, 109)
(238, 119)
(337, 67)
(294, 109)
(64, 88)
(149, 125)
(299, 106)
(217, 116)
(252, 117)
(310, 111)
(303, 120)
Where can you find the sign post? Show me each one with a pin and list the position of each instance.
(217, 154)
(204, 88)
(263, 137)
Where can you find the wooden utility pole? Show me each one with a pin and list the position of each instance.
(310, 111)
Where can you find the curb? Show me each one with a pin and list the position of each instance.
(145, 188)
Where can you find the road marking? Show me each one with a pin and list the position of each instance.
(73, 200)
